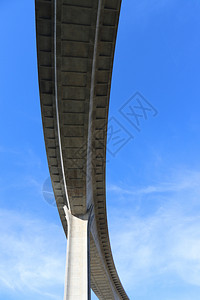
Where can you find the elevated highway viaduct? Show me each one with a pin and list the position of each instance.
(75, 49)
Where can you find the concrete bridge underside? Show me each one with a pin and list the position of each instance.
(75, 45)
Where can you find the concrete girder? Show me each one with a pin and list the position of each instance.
(75, 47)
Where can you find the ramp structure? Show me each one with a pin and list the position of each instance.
(75, 48)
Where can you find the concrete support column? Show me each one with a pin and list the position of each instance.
(77, 280)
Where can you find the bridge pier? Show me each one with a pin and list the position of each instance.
(77, 278)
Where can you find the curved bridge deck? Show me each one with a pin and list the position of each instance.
(75, 44)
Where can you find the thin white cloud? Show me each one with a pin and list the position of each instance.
(182, 180)
(25, 157)
(155, 248)
(161, 247)
(166, 243)
(32, 255)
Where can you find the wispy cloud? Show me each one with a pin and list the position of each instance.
(180, 181)
(23, 169)
(21, 157)
(164, 243)
(161, 248)
(32, 256)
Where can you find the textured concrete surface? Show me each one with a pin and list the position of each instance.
(75, 44)
(77, 282)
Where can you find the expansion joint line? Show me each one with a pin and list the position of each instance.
(57, 110)
(90, 119)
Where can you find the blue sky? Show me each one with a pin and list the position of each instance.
(153, 192)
